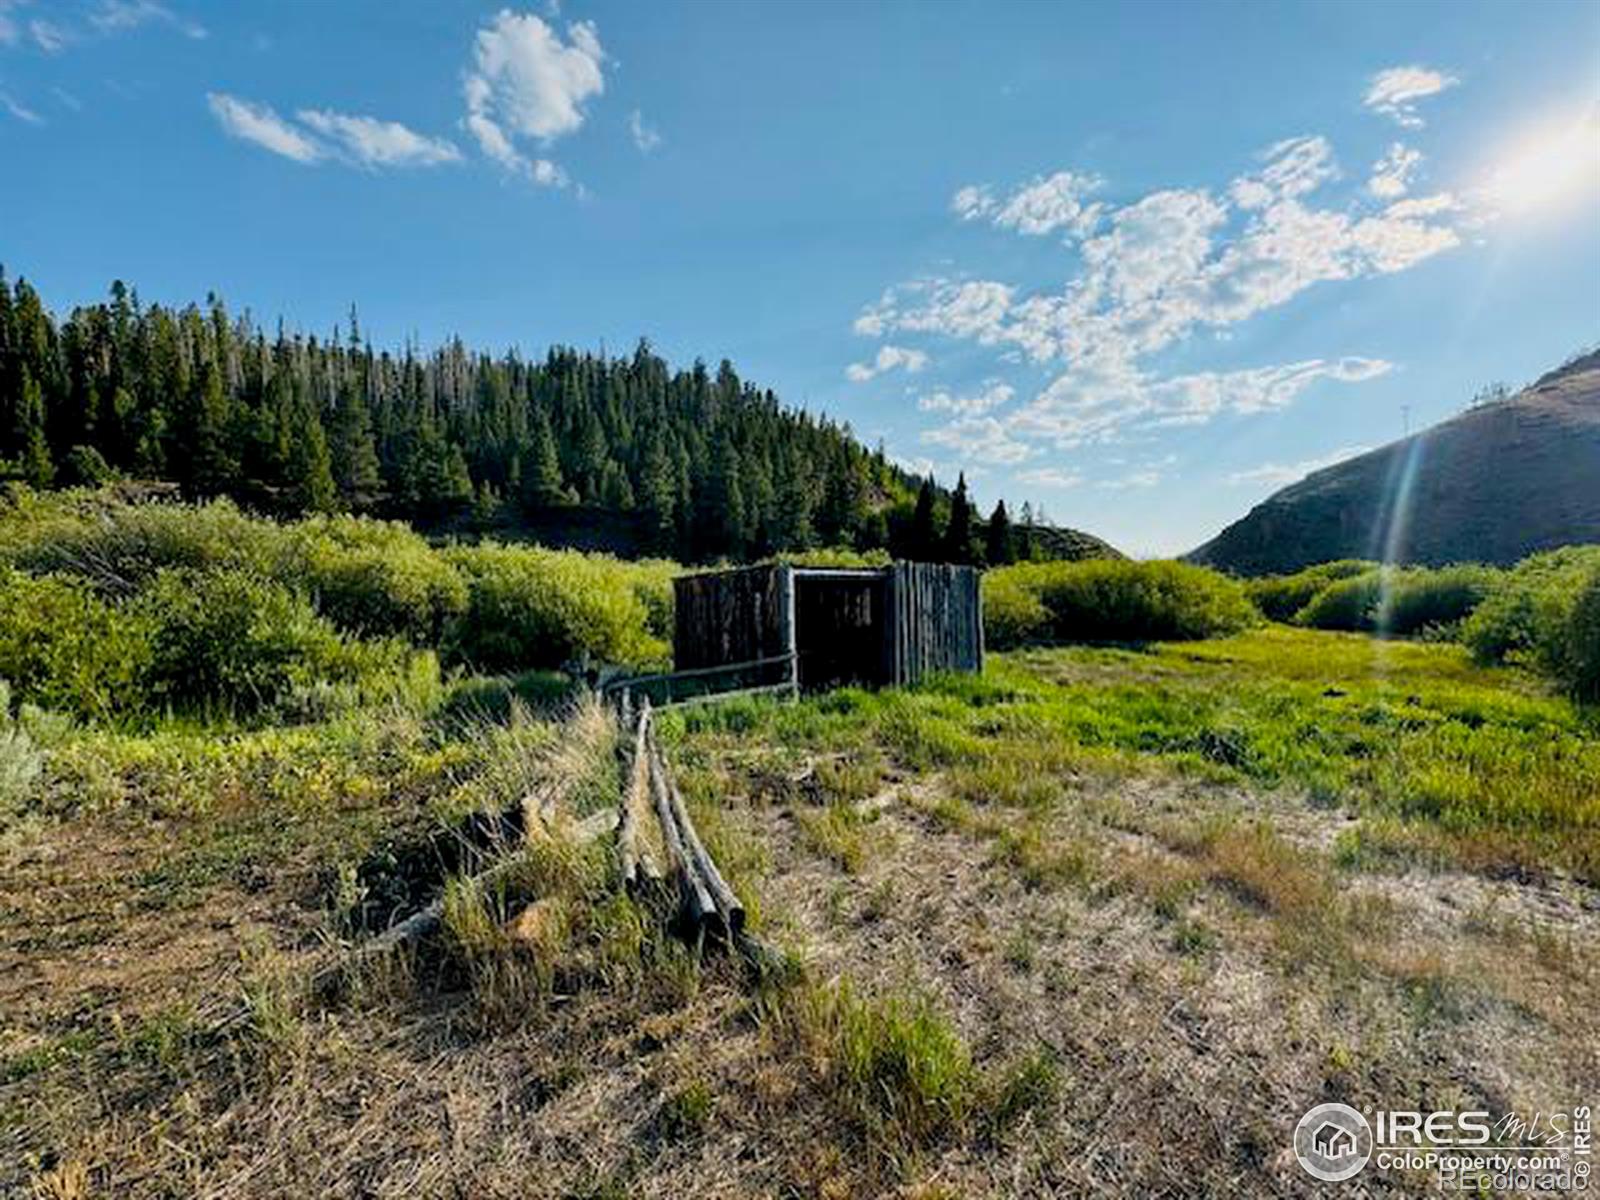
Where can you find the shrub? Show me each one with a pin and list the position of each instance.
(120, 546)
(1110, 600)
(1281, 597)
(374, 578)
(64, 648)
(1400, 600)
(528, 607)
(20, 761)
(1347, 604)
(1528, 603)
(1013, 614)
(1421, 599)
(230, 640)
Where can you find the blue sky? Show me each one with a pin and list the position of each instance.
(1140, 264)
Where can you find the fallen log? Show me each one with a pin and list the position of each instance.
(730, 912)
(636, 866)
(699, 910)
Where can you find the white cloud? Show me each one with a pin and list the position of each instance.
(19, 110)
(48, 36)
(1046, 205)
(115, 16)
(972, 202)
(888, 359)
(1394, 92)
(260, 124)
(1077, 410)
(1052, 477)
(980, 440)
(1294, 167)
(1039, 207)
(1176, 261)
(1391, 174)
(526, 82)
(1278, 474)
(377, 143)
(9, 33)
(994, 394)
(644, 137)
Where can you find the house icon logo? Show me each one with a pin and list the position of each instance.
(1333, 1142)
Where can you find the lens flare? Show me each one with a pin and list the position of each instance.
(1550, 166)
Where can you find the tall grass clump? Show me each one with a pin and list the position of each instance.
(1110, 600)
(898, 1062)
(1545, 612)
(1281, 597)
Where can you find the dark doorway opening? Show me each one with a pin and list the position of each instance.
(840, 623)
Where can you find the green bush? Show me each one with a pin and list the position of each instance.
(1013, 614)
(20, 760)
(1400, 600)
(1421, 599)
(120, 546)
(373, 578)
(63, 647)
(1109, 600)
(528, 607)
(234, 642)
(1281, 597)
(1545, 612)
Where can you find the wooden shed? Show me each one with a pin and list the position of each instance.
(816, 628)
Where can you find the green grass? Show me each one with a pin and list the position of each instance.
(1485, 765)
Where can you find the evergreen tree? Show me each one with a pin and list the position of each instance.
(37, 467)
(998, 549)
(958, 534)
(1025, 534)
(541, 484)
(354, 451)
(923, 544)
(307, 465)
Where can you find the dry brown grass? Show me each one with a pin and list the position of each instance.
(1116, 984)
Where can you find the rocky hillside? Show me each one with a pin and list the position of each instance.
(1494, 484)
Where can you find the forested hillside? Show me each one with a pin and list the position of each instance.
(695, 464)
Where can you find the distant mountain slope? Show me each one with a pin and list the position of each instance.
(1071, 545)
(1492, 485)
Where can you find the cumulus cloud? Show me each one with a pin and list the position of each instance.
(528, 83)
(888, 358)
(376, 143)
(1394, 92)
(994, 394)
(1165, 265)
(1278, 474)
(1391, 174)
(258, 123)
(644, 137)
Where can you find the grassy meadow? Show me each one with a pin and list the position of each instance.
(1028, 930)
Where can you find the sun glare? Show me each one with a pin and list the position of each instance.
(1553, 165)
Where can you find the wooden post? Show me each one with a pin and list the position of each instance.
(788, 622)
